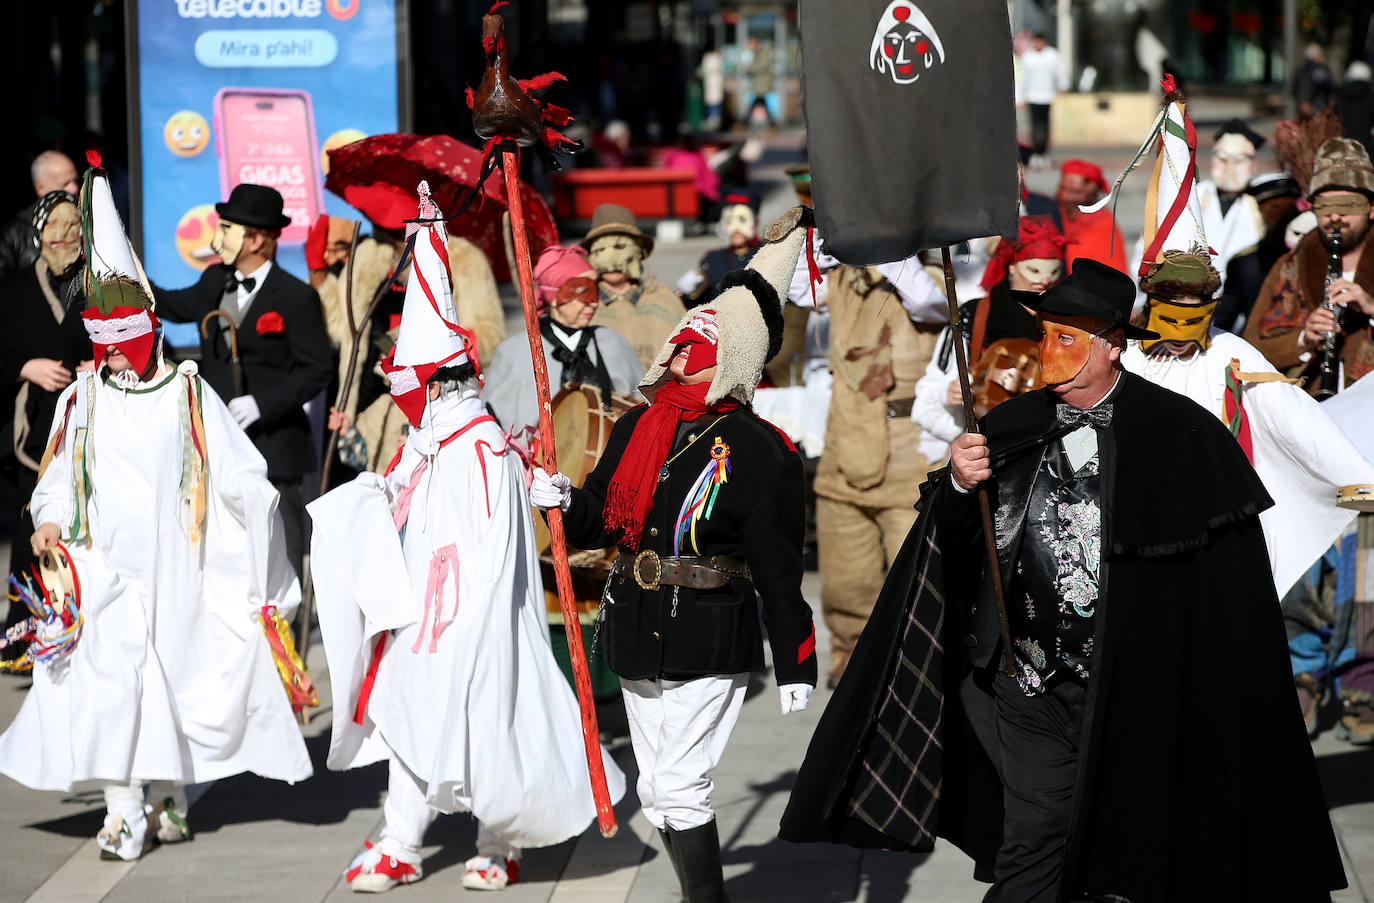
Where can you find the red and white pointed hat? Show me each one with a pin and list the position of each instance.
(429, 332)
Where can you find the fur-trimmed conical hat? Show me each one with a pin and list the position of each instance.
(748, 312)
(429, 332)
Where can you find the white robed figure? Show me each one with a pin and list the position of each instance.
(1300, 454)
(165, 508)
(432, 613)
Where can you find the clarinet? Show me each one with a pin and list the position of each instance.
(1328, 359)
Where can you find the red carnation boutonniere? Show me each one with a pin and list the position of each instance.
(271, 323)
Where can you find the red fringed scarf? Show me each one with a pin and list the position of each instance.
(630, 494)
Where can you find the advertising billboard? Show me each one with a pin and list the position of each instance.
(230, 91)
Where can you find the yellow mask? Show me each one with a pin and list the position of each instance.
(1177, 322)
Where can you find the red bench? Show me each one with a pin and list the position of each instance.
(652, 193)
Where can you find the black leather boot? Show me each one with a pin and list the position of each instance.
(667, 837)
(698, 856)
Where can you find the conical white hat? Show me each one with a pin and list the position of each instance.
(1175, 173)
(428, 317)
(111, 255)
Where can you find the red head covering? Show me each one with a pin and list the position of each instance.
(1090, 171)
(1037, 239)
(556, 265)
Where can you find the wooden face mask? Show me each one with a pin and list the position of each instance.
(1065, 345)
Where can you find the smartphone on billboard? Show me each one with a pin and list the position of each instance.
(267, 137)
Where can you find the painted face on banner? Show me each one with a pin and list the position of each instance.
(905, 44)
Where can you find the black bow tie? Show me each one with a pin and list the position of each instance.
(232, 281)
(1099, 417)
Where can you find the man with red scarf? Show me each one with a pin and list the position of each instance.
(1092, 235)
(704, 499)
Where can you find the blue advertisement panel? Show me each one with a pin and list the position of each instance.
(232, 91)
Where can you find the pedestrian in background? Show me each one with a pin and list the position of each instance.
(1042, 78)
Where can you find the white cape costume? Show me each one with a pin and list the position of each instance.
(450, 668)
(172, 678)
(1300, 454)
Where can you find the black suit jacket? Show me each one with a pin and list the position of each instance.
(282, 370)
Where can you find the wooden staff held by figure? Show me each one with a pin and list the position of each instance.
(971, 425)
(235, 365)
(507, 116)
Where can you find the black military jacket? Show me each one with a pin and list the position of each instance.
(758, 518)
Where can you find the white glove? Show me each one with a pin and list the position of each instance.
(244, 410)
(550, 491)
(794, 697)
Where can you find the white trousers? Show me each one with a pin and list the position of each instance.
(679, 729)
(408, 816)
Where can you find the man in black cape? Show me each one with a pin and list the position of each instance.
(1155, 753)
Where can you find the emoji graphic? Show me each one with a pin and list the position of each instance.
(338, 139)
(342, 9)
(186, 133)
(194, 231)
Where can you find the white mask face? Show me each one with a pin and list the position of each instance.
(1034, 274)
(738, 219)
(1233, 162)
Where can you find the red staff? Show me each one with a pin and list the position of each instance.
(508, 117)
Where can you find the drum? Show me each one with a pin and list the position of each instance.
(1359, 497)
(581, 429)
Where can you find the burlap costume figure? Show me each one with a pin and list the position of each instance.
(866, 483)
(644, 310)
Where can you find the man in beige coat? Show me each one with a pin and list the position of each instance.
(884, 322)
(633, 302)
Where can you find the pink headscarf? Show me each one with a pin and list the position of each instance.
(556, 265)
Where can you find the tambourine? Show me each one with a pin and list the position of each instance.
(52, 593)
(1358, 497)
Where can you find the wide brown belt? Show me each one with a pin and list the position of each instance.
(650, 570)
(898, 408)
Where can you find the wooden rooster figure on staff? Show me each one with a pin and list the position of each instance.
(508, 117)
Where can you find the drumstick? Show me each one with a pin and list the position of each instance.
(605, 814)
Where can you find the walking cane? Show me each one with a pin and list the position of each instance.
(971, 425)
(235, 366)
(605, 814)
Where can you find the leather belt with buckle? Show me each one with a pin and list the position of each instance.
(899, 408)
(652, 570)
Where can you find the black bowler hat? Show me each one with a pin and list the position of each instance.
(254, 205)
(1093, 289)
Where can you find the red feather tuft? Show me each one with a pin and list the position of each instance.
(540, 82)
(555, 114)
(556, 139)
(93, 158)
(472, 101)
(488, 43)
(496, 6)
